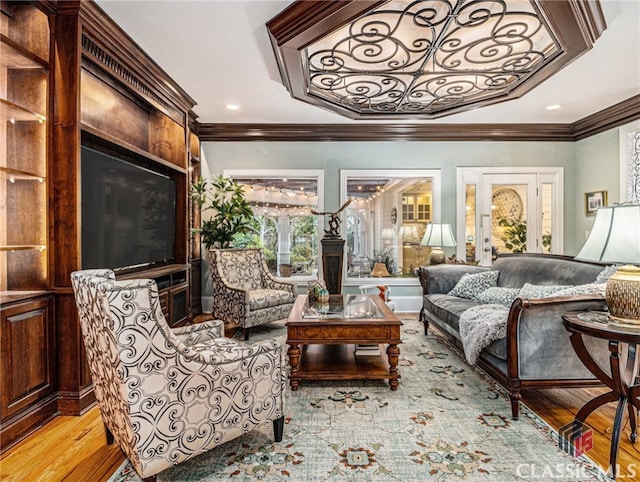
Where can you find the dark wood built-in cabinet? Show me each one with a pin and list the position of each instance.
(70, 77)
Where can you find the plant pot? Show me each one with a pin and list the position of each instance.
(285, 270)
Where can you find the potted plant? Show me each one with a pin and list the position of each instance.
(230, 211)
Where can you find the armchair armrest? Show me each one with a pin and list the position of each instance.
(200, 332)
(223, 351)
(441, 278)
(271, 282)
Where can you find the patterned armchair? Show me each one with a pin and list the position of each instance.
(244, 291)
(167, 395)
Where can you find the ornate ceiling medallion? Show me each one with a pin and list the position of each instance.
(424, 58)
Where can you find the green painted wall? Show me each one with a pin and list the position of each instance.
(597, 168)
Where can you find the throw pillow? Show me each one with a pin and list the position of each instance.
(498, 295)
(588, 289)
(540, 291)
(606, 273)
(471, 285)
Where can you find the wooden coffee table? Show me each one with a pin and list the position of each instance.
(322, 340)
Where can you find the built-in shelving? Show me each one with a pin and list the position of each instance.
(27, 331)
(14, 56)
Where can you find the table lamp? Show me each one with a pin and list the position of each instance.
(380, 270)
(438, 236)
(615, 239)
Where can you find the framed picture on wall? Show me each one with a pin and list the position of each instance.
(593, 201)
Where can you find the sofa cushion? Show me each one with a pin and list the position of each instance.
(540, 291)
(471, 285)
(588, 289)
(259, 299)
(498, 349)
(448, 308)
(498, 295)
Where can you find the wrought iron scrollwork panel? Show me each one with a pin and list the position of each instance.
(430, 55)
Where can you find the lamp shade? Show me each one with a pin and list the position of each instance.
(387, 233)
(615, 236)
(438, 235)
(409, 233)
(379, 270)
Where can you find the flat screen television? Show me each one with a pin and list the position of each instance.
(128, 213)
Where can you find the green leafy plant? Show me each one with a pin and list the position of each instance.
(515, 234)
(231, 213)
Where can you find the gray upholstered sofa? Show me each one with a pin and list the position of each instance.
(536, 352)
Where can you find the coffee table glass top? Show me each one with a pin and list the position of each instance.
(343, 307)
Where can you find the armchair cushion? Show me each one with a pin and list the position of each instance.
(266, 298)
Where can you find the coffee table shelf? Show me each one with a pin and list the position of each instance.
(338, 362)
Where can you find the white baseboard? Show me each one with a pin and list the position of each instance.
(404, 304)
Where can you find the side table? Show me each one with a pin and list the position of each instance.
(623, 381)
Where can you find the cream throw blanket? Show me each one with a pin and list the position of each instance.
(480, 326)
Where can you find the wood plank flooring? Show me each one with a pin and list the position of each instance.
(73, 449)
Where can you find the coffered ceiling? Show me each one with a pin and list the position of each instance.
(220, 53)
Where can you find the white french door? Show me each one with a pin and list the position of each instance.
(508, 210)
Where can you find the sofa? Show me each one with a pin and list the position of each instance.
(536, 352)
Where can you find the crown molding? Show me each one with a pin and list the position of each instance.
(384, 132)
(614, 116)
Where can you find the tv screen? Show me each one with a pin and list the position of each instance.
(128, 213)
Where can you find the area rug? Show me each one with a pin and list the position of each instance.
(447, 421)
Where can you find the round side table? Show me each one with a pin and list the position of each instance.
(624, 381)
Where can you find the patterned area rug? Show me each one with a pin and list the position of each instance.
(447, 421)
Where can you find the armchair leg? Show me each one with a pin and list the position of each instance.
(245, 331)
(278, 429)
(109, 436)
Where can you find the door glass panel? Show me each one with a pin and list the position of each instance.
(470, 223)
(509, 218)
(547, 219)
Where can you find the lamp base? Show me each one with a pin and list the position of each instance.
(623, 295)
(437, 256)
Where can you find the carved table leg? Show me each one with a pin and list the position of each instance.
(393, 352)
(294, 361)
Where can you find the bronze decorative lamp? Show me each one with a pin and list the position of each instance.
(438, 236)
(615, 239)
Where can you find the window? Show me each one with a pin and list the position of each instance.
(386, 220)
(287, 231)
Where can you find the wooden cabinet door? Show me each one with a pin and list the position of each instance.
(27, 363)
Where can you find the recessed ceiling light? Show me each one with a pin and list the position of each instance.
(232, 107)
(553, 107)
